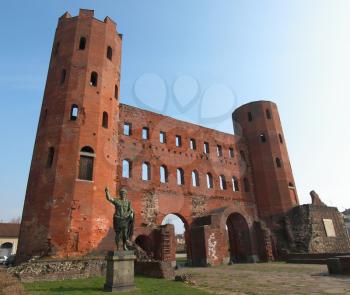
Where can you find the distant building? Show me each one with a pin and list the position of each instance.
(346, 214)
(8, 238)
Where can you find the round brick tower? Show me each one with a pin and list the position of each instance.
(65, 212)
(259, 124)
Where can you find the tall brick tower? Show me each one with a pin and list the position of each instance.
(259, 123)
(75, 155)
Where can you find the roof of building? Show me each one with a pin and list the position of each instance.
(9, 229)
(346, 212)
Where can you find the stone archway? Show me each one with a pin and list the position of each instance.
(182, 259)
(240, 248)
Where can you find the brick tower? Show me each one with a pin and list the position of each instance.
(259, 124)
(75, 155)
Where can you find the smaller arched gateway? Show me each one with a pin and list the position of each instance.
(226, 234)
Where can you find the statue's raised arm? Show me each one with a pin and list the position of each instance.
(108, 196)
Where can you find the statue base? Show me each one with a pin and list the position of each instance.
(120, 271)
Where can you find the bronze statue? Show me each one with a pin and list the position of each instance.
(123, 218)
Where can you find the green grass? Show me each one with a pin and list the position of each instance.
(95, 286)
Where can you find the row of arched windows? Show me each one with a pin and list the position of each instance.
(267, 114)
(263, 138)
(180, 176)
(74, 115)
(82, 46)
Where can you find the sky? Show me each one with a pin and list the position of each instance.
(197, 61)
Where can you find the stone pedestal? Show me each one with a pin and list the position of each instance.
(120, 271)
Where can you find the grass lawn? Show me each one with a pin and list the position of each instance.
(95, 286)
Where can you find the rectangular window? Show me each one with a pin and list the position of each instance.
(329, 227)
(127, 129)
(145, 133)
(178, 140)
(162, 137)
(50, 156)
(219, 150)
(250, 117)
(231, 152)
(206, 147)
(116, 92)
(192, 144)
(86, 166)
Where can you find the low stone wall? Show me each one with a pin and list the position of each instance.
(53, 270)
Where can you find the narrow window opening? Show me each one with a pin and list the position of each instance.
(162, 137)
(231, 152)
(209, 180)
(63, 76)
(268, 114)
(146, 171)
(195, 178)
(126, 173)
(206, 147)
(222, 182)
(105, 120)
(262, 138)
(145, 133)
(250, 117)
(278, 162)
(291, 185)
(192, 144)
(180, 176)
(50, 156)
(86, 163)
(74, 112)
(163, 174)
(93, 79)
(235, 184)
(127, 129)
(219, 150)
(82, 43)
(109, 52)
(178, 140)
(280, 138)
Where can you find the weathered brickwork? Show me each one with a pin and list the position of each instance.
(224, 187)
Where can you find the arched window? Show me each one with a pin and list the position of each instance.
(206, 147)
(262, 137)
(93, 79)
(146, 171)
(116, 95)
(178, 141)
(219, 150)
(86, 163)
(162, 137)
(145, 133)
(105, 120)
(74, 112)
(246, 184)
(109, 52)
(126, 173)
(222, 180)
(231, 152)
(278, 162)
(180, 176)
(268, 114)
(82, 43)
(192, 144)
(195, 178)
(280, 137)
(163, 172)
(250, 117)
(209, 180)
(50, 156)
(63, 76)
(235, 184)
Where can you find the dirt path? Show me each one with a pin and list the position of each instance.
(269, 279)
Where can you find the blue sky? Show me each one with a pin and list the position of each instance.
(197, 60)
